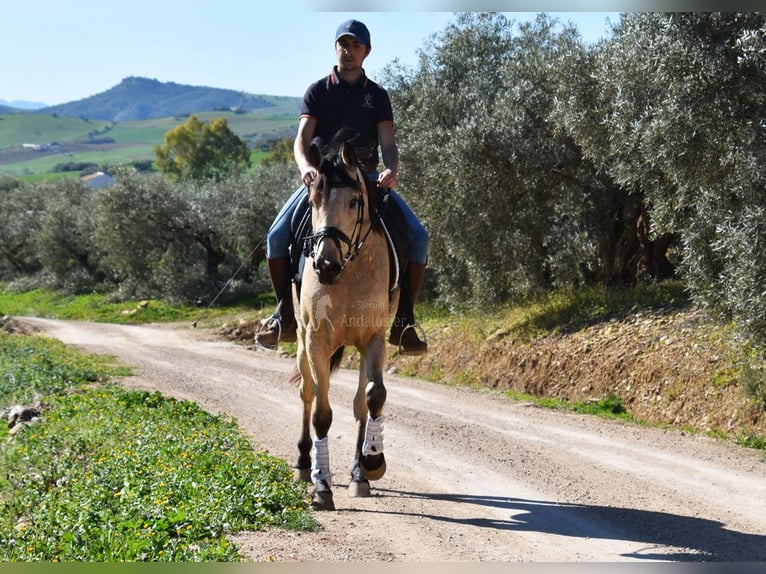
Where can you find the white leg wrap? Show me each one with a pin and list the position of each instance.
(373, 438)
(320, 462)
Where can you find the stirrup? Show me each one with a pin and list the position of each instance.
(402, 349)
(269, 323)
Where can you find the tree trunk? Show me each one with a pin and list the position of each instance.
(627, 252)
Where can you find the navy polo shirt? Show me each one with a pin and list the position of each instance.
(360, 106)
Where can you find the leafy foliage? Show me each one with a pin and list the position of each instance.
(280, 152)
(33, 367)
(511, 203)
(552, 164)
(21, 209)
(678, 114)
(145, 237)
(181, 241)
(202, 150)
(66, 238)
(116, 475)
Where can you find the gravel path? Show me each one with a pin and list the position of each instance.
(472, 476)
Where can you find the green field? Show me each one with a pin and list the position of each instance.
(18, 129)
(82, 140)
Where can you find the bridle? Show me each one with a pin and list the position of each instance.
(354, 243)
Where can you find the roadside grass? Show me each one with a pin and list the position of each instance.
(110, 474)
(552, 312)
(97, 307)
(610, 407)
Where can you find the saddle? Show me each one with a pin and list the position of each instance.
(382, 208)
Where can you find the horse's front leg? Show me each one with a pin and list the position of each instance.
(321, 498)
(305, 443)
(369, 462)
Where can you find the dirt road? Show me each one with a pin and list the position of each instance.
(472, 476)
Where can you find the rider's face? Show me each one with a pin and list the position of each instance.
(350, 52)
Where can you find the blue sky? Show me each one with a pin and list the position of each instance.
(55, 52)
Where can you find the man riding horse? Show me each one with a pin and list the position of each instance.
(347, 98)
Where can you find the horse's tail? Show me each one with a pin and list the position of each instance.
(295, 377)
(336, 359)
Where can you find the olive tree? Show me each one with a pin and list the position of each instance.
(507, 198)
(679, 119)
(138, 220)
(21, 213)
(183, 240)
(65, 240)
(228, 220)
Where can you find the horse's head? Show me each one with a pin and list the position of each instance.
(339, 213)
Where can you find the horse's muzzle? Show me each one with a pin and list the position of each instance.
(327, 271)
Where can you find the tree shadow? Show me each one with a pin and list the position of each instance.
(707, 540)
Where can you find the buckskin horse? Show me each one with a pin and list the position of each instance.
(345, 297)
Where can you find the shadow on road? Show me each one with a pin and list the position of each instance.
(707, 540)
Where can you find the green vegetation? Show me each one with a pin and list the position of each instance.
(35, 367)
(97, 307)
(201, 150)
(610, 407)
(555, 311)
(566, 164)
(144, 237)
(29, 128)
(110, 474)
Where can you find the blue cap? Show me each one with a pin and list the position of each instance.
(355, 29)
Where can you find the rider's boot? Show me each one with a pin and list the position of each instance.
(403, 332)
(281, 325)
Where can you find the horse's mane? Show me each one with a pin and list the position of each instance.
(332, 168)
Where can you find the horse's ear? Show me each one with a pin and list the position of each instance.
(348, 155)
(315, 156)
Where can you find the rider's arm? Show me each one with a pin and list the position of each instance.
(388, 177)
(306, 128)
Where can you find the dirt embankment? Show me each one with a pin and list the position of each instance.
(666, 366)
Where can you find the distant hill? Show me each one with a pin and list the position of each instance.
(137, 98)
(17, 105)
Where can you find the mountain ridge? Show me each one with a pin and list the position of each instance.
(140, 98)
(17, 105)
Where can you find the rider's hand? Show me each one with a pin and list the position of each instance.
(387, 179)
(309, 176)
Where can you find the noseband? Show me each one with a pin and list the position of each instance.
(354, 243)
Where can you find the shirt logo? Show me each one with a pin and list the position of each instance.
(367, 101)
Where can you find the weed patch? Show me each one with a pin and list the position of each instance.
(110, 474)
(117, 475)
(33, 367)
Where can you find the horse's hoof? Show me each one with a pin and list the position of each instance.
(303, 474)
(373, 466)
(359, 489)
(321, 498)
